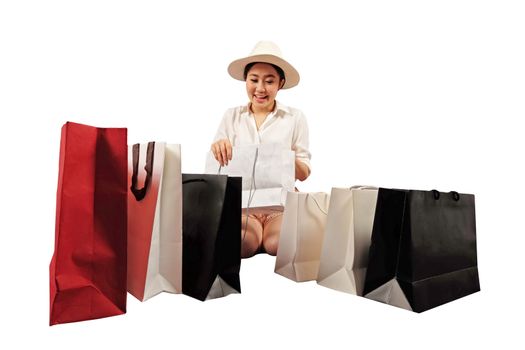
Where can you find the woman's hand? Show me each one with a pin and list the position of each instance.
(222, 151)
(301, 170)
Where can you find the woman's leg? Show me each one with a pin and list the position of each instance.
(251, 236)
(271, 232)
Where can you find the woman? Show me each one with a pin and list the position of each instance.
(263, 120)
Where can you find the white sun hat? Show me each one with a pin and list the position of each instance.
(265, 52)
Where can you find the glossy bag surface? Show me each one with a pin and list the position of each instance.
(423, 251)
(211, 235)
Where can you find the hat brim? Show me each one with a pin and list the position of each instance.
(236, 68)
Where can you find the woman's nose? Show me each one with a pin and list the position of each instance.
(260, 86)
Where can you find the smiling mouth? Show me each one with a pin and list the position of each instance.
(260, 98)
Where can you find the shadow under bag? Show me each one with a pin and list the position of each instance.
(211, 235)
(423, 250)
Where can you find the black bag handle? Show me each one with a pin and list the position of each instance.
(140, 193)
(455, 195)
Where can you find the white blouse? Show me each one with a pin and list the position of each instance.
(285, 125)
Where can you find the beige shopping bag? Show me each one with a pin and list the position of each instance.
(301, 236)
(344, 256)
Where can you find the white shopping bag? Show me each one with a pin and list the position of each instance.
(154, 219)
(344, 257)
(302, 232)
(267, 170)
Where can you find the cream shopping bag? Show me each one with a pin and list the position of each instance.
(267, 171)
(301, 236)
(344, 257)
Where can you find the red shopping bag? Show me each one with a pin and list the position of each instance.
(88, 268)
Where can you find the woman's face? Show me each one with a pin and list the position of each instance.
(262, 84)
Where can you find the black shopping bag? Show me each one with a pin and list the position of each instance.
(211, 235)
(423, 251)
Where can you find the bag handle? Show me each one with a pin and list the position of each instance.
(140, 193)
(250, 194)
(317, 203)
(455, 195)
(363, 187)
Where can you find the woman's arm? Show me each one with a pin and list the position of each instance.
(302, 171)
(300, 145)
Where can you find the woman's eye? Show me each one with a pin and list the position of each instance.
(269, 81)
(253, 80)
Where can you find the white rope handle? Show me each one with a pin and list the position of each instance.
(317, 203)
(363, 187)
(250, 193)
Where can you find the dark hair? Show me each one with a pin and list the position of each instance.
(277, 68)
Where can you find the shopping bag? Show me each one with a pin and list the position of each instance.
(211, 235)
(154, 219)
(301, 237)
(344, 256)
(423, 251)
(267, 171)
(88, 267)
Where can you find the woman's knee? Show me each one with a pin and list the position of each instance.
(271, 235)
(251, 237)
(271, 244)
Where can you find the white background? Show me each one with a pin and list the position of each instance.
(406, 94)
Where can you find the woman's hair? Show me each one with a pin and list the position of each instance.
(277, 68)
